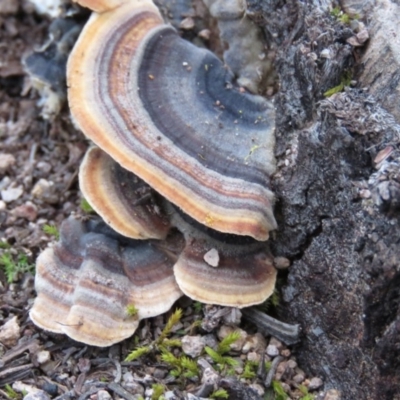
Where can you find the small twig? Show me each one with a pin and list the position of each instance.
(261, 370)
(66, 396)
(205, 390)
(120, 391)
(274, 365)
(68, 354)
(288, 334)
(15, 369)
(15, 352)
(118, 375)
(92, 390)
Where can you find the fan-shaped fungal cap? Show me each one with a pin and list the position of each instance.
(168, 112)
(223, 269)
(88, 281)
(214, 267)
(123, 201)
(240, 277)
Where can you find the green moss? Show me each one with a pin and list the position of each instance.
(85, 206)
(12, 265)
(52, 231)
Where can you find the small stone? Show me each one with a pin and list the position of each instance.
(253, 356)
(6, 161)
(210, 377)
(365, 194)
(299, 378)
(233, 317)
(160, 373)
(130, 384)
(170, 395)
(39, 395)
(281, 370)
(103, 395)
(281, 263)
(44, 190)
(193, 345)
(210, 340)
(362, 36)
(205, 34)
(3, 205)
(276, 343)
(325, 53)
(332, 394)
(292, 364)
(44, 167)
(10, 332)
(285, 387)
(272, 350)
(258, 388)
(254, 342)
(187, 23)
(12, 194)
(50, 7)
(50, 388)
(5, 182)
(27, 211)
(43, 356)
(225, 330)
(315, 383)
(286, 353)
(212, 258)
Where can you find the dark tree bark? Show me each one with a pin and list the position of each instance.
(337, 209)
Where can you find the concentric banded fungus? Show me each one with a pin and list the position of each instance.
(241, 274)
(122, 200)
(223, 269)
(86, 283)
(168, 112)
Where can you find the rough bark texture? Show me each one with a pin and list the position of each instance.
(337, 209)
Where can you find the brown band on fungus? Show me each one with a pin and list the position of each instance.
(90, 304)
(223, 269)
(217, 273)
(124, 201)
(168, 112)
(55, 283)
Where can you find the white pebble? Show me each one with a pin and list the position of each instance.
(315, 383)
(10, 332)
(212, 258)
(12, 194)
(103, 395)
(193, 345)
(43, 356)
(272, 350)
(6, 161)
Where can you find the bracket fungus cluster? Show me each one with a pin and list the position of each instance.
(180, 173)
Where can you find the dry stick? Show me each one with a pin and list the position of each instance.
(120, 391)
(16, 351)
(15, 369)
(286, 333)
(271, 372)
(93, 390)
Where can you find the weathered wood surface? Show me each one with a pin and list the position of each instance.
(338, 212)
